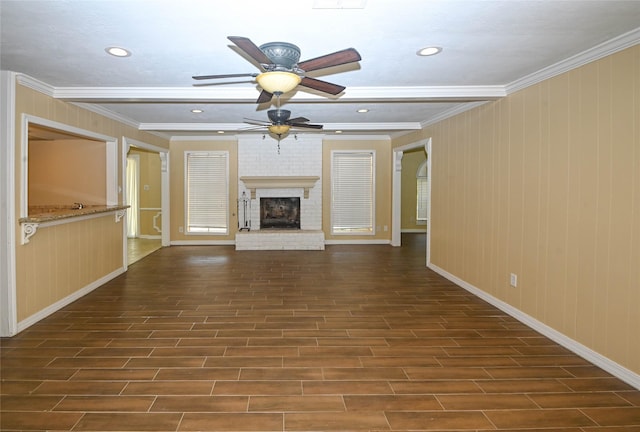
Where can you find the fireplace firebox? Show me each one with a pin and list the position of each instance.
(280, 213)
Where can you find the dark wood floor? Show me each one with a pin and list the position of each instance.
(351, 338)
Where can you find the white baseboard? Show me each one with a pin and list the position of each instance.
(203, 243)
(583, 351)
(357, 242)
(28, 322)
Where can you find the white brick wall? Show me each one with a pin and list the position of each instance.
(280, 240)
(301, 157)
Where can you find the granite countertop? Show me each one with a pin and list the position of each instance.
(39, 214)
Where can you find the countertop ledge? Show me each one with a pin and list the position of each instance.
(43, 214)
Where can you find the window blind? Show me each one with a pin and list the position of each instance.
(352, 192)
(207, 193)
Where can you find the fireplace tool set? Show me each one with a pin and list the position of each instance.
(244, 212)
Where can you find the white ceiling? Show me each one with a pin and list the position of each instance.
(490, 48)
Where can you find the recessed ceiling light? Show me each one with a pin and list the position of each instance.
(220, 132)
(363, 110)
(117, 51)
(197, 111)
(429, 51)
(338, 131)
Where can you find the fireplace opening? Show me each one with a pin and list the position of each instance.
(282, 213)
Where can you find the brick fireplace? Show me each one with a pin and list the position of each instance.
(294, 172)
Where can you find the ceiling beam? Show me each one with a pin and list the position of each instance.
(249, 94)
(243, 126)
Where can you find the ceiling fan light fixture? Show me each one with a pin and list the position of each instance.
(279, 129)
(278, 81)
(283, 54)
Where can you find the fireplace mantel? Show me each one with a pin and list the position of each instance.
(279, 182)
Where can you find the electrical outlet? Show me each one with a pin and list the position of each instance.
(180, 229)
(514, 280)
(386, 228)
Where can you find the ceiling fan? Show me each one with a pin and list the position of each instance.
(280, 70)
(280, 122)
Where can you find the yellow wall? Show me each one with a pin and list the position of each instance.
(151, 196)
(382, 183)
(177, 187)
(63, 259)
(546, 184)
(411, 160)
(63, 172)
(59, 260)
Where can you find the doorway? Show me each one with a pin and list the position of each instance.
(146, 193)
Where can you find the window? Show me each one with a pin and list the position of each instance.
(352, 192)
(422, 196)
(207, 192)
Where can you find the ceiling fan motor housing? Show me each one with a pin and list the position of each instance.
(279, 116)
(283, 55)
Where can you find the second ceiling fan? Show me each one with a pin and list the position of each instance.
(280, 70)
(280, 122)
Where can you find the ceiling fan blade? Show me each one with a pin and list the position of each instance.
(216, 83)
(306, 125)
(322, 86)
(250, 48)
(298, 120)
(253, 128)
(337, 58)
(239, 75)
(256, 122)
(265, 96)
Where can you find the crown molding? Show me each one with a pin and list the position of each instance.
(379, 137)
(37, 85)
(89, 97)
(248, 95)
(225, 137)
(207, 127)
(609, 47)
(236, 127)
(451, 112)
(372, 126)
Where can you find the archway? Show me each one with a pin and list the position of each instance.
(397, 192)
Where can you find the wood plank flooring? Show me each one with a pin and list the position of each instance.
(353, 338)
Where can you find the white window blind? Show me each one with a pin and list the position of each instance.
(422, 198)
(207, 192)
(352, 192)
